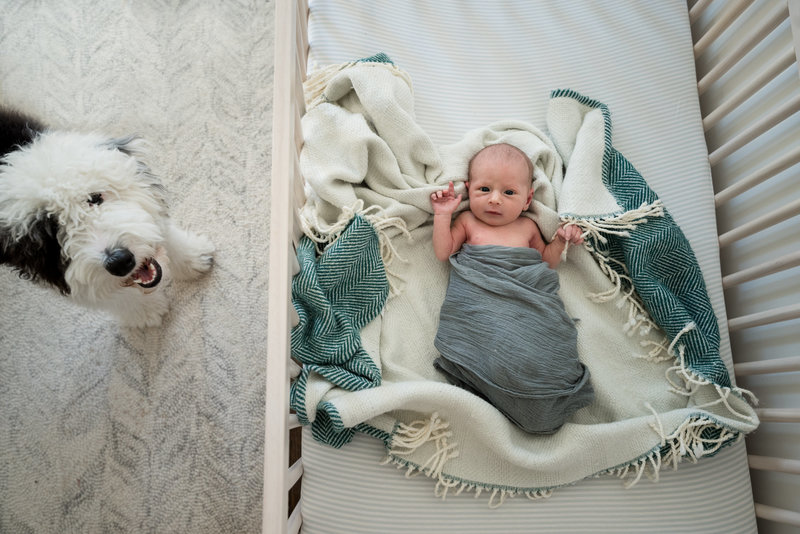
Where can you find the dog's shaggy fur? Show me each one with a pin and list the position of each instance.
(84, 214)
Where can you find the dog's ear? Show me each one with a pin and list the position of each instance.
(16, 129)
(132, 145)
(136, 148)
(36, 254)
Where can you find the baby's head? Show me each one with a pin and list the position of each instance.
(500, 183)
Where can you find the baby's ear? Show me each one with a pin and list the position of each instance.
(466, 184)
(530, 199)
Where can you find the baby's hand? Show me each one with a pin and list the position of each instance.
(445, 201)
(570, 234)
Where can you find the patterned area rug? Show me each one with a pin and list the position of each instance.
(104, 429)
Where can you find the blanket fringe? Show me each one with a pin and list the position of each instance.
(639, 320)
(683, 381)
(407, 438)
(324, 235)
(690, 440)
(616, 224)
(686, 442)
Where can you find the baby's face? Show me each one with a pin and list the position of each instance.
(499, 190)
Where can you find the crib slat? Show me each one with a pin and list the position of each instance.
(768, 463)
(734, 9)
(763, 269)
(297, 179)
(762, 367)
(294, 421)
(295, 520)
(294, 372)
(760, 223)
(697, 9)
(297, 229)
(299, 108)
(779, 415)
(794, 16)
(761, 175)
(301, 64)
(780, 114)
(295, 472)
(783, 62)
(778, 515)
(776, 315)
(302, 36)
(295, 263)
(298, 127)
(743, 49)
(300, 77)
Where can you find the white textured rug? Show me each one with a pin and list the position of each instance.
(110, 430)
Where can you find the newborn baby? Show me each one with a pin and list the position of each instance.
(503, 331)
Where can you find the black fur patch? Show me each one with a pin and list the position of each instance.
(17, 130)
(37, 254)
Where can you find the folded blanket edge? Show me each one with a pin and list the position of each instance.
(687, 441)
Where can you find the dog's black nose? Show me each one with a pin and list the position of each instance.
(119, 261)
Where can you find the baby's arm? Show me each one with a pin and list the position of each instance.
(447, 238)
(551, 252)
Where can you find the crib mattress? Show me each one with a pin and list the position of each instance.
(473, 63)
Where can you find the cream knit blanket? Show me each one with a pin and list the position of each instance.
(662, 393)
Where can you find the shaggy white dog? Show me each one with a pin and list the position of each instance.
(84, 214)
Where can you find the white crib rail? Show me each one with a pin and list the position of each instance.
(286, 195)
(748, 78)
(721, 53)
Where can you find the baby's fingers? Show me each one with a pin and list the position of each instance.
(574, 235)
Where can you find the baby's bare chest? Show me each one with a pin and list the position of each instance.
(516, 234)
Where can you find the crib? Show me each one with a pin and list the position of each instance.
(746, 60)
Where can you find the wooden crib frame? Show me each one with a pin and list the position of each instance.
(774, 132)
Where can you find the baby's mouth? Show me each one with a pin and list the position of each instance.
(147, 275)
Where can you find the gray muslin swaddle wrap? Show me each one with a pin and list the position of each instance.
(504, 335)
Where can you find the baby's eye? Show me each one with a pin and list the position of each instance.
(509, 192)
(484, 189)
(96, 199)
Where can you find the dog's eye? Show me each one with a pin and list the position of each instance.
(96, 199)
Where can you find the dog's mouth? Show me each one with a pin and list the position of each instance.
(147, 275)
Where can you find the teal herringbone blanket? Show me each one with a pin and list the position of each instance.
(335, 295)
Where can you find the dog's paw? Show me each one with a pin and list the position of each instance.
(190, 254)
(204, 260)
(202, 257)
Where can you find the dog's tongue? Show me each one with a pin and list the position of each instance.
(148, 274)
